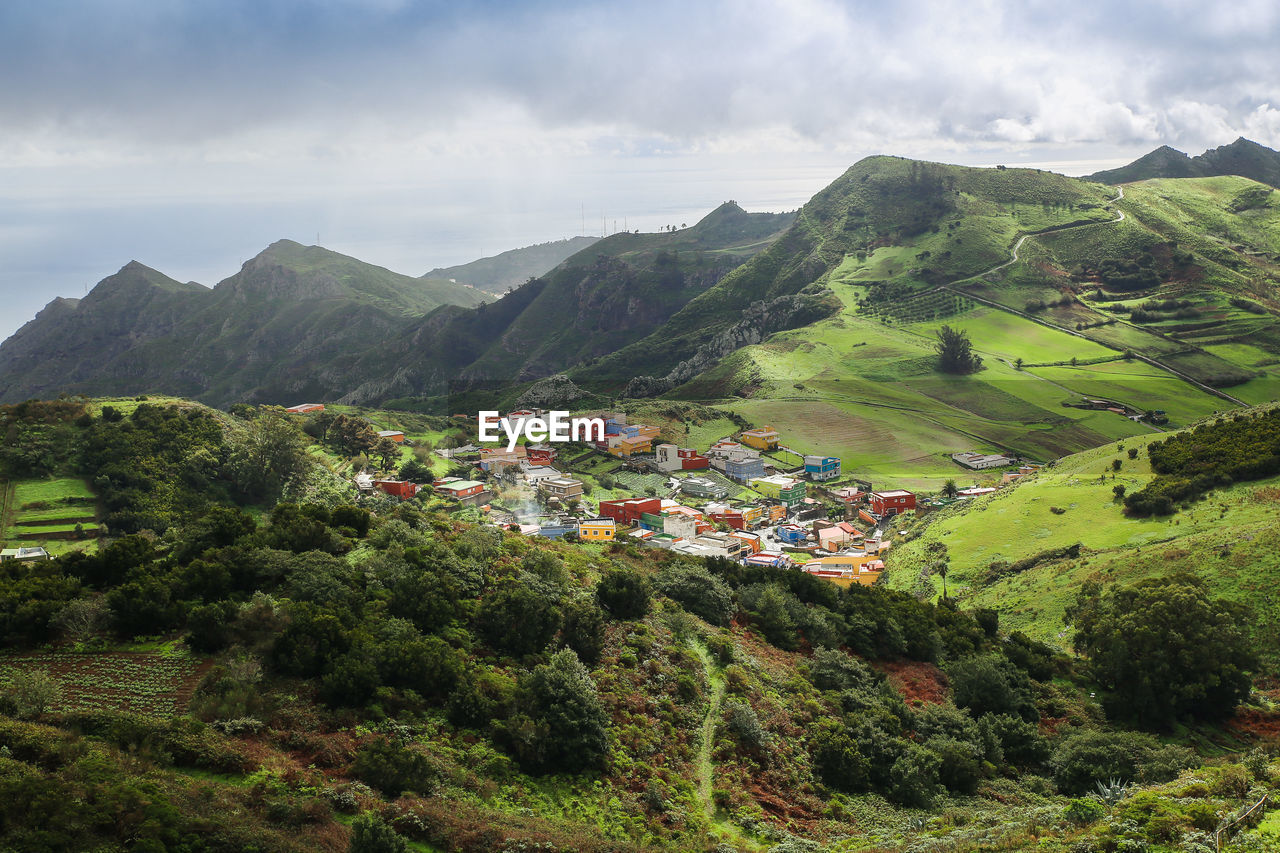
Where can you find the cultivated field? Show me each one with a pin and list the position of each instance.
(158, 685)
(58, 515)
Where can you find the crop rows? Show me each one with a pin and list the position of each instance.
(139, 683)
(927, 307)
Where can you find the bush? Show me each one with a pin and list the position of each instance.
(744, 725)
(1083, 810)
(837, 760)
(518, 620)
(991, 684)
(913, 779)
(560, 724)
(624, 594)
(583, 629)
(392, 769)
(959, 763)
(369, 834)
(1082, 760)
(31, 692)
(698, 591)
(832, 669)
(1165, 650)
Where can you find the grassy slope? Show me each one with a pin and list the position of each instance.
(1230, 539)
(864, 389)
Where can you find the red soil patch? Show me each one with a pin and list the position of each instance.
(1260, 725)
(918, 683)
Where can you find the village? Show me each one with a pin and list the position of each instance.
(747, 497)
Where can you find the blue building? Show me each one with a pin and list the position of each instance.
(742, 468)
(818, 468)
(792, 534)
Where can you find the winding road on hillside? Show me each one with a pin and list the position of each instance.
(1013, 259)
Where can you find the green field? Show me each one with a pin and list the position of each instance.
(857, 388)
(1230, 539)
(32, 508)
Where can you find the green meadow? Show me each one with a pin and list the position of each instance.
(1230, 538)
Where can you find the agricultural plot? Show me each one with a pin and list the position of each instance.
(146, 683)
(1137, 384)
(59, 515)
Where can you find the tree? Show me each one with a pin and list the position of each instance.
(518, 620)
(268, 455)
(624, 594)
(32, 692)
(1164, 650)
(415, 472)
(393, 768)
(583, 629)
(950, 489)
(991, 684)
(561, 724)
(955, 352)
(387, 450)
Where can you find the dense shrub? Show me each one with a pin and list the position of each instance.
(990, 684)
(518, 620)
(624, 594)
(393, 768)
(698, 591)
(559, 724)
(1165, 650)
(1083, 759)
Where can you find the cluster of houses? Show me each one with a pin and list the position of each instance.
(785, 526)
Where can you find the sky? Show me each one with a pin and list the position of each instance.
(190, 135)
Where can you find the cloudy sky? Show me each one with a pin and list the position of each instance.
(189, 135)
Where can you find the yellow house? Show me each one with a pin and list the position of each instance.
(627, 446)
(751, 515)
(764, 438)
(597, 530)
(847, 569)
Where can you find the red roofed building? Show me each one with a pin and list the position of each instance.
(540, 454)
(305, 408)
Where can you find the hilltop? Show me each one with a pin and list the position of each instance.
(1243, 157)
(305, 322)
(512, 268)
(277, 326)
(1199, 335)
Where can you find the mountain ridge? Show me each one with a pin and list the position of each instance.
(1243, 157)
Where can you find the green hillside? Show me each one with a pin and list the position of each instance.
(274, 329)
(616, 291)
(892, 213)
(1200, 335)
(275, 663)
(1004, 547)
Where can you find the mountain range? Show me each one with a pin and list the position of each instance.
(1163, 294)
(1243, 157)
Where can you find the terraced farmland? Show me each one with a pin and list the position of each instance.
(59, 515)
